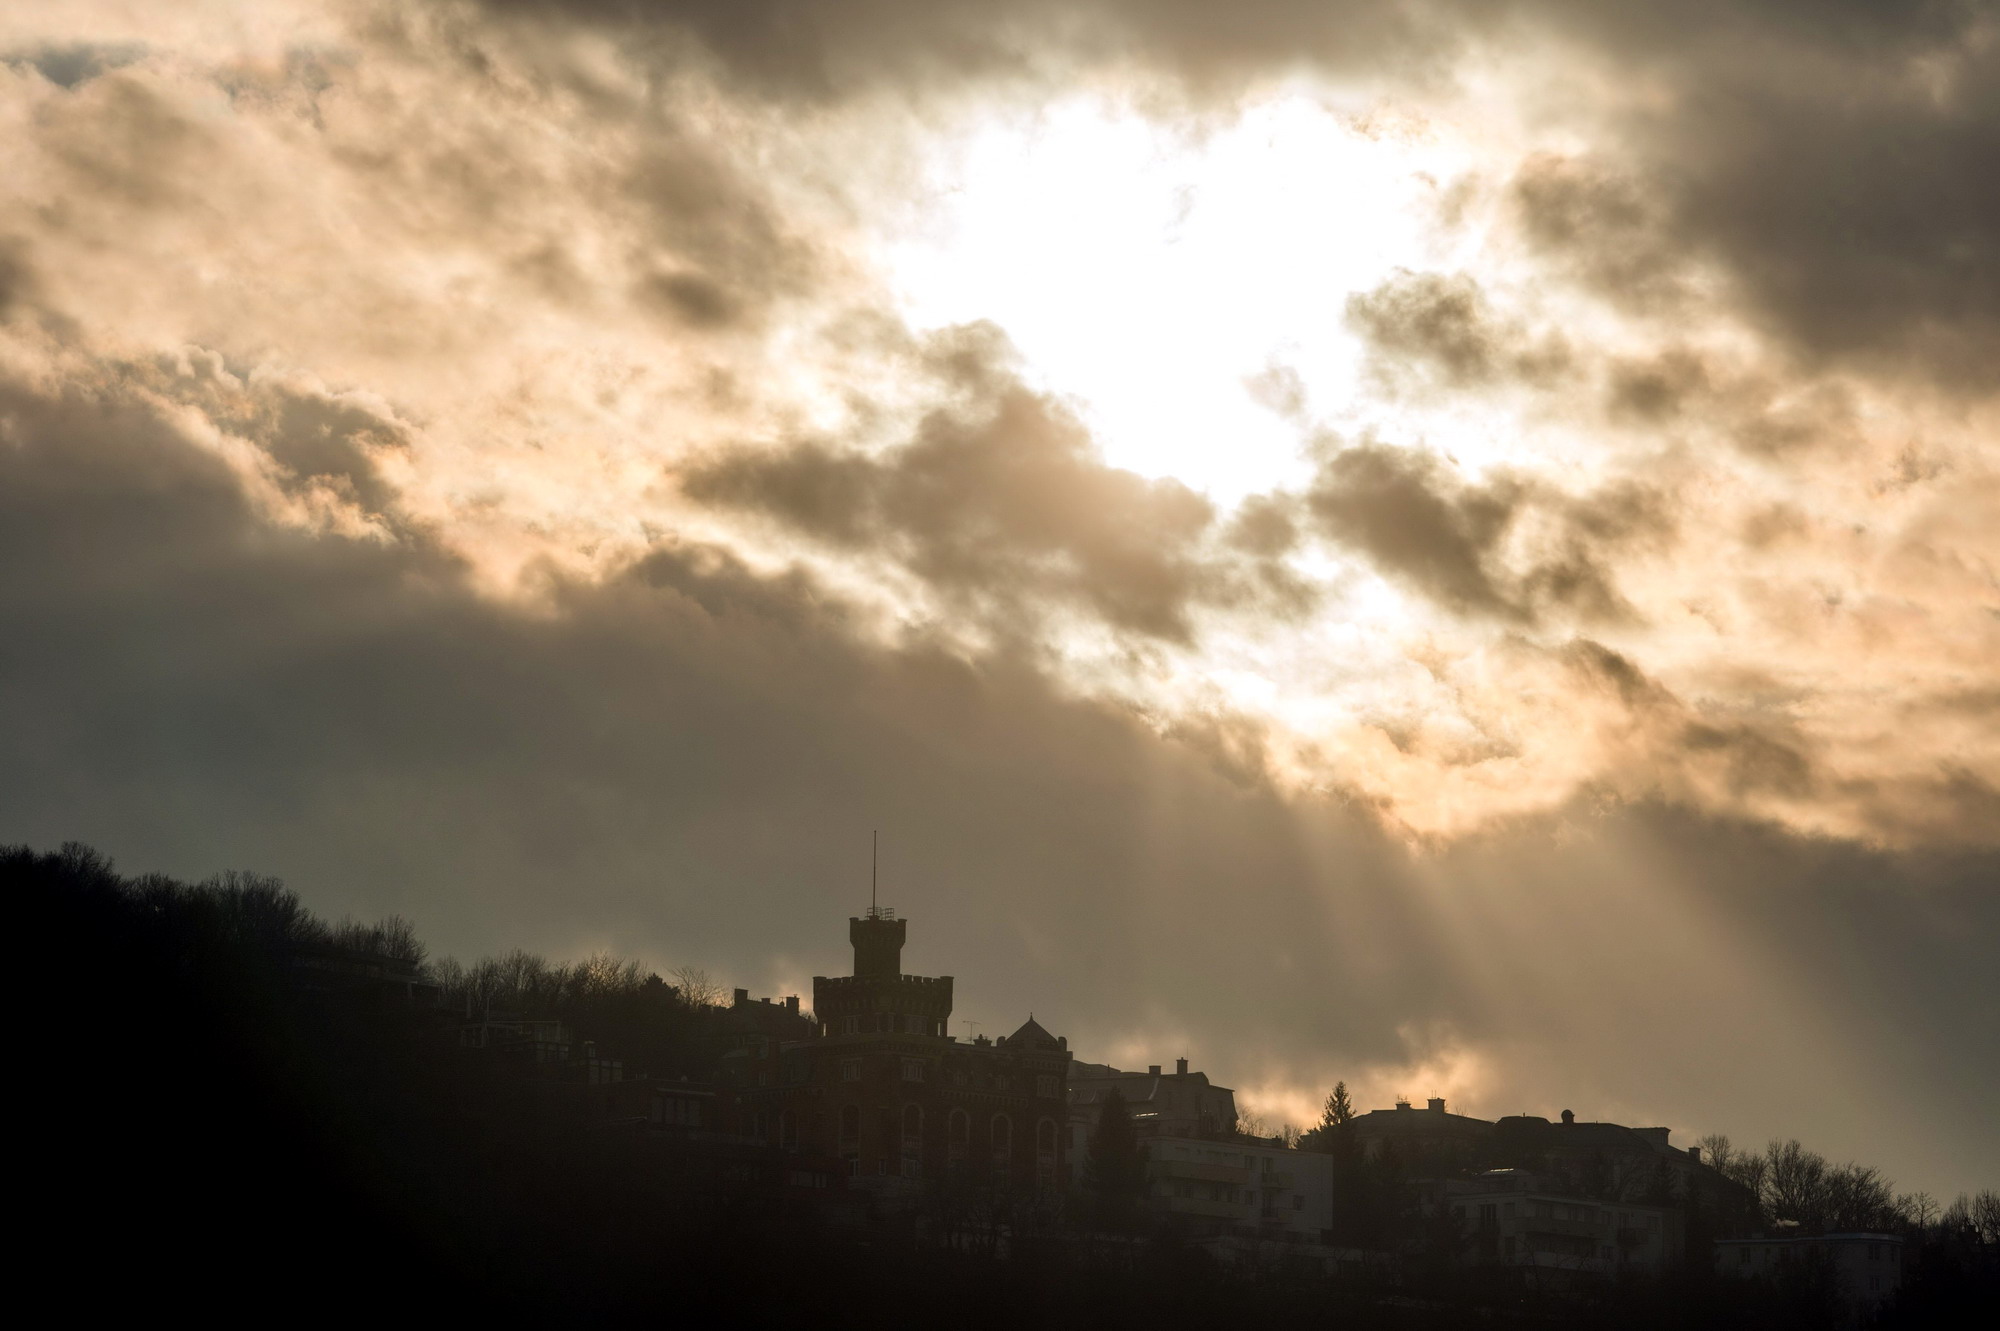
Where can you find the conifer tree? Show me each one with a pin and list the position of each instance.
(1117, 1171)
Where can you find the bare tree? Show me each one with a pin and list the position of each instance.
(1920, 1209)
(1718, 1154)
(1796, 1187)
(697, 987)
(1985, 1214)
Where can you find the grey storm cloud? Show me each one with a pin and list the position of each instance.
(1001, 499)
(1419, 523)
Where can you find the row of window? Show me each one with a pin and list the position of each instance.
(958, 1128)
(889, 1023)
(914, 1070)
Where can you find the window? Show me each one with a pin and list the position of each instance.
(958, 1128)
(1507, 1210)
(850, 1025)
(1045, 1136)
(1002, 1138)
(885, 1022)
(850, 1127)
(1874, 1252)
(1047, 1088)
(915, 1025)
(913, 1069)
(1299, 1202)
(788, 1130)
(850, 1069)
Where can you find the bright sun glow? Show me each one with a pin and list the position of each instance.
(1154, 277)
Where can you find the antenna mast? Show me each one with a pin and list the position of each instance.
(874, 856)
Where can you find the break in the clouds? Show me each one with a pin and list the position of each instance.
(1338, 509)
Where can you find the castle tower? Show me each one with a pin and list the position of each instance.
(878, 998)
(878, 943)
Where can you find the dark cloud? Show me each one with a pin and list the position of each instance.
(1440, 328)
(67, 64)
(1001, 501)
(819, 50)
(1508, 548)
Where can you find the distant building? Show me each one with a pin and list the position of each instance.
(1516, 1218)
(1179, 1104)
(1601, 1159)
(874, 1080)
(1246, 1186)
(1424, 1139)
(1867, 1269)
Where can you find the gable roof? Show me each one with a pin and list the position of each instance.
(1033, 1036)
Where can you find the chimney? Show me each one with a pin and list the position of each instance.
(742, 997)
(1180, 1067)
(1568, 1117)
(1435, 1104)
(1401, 1103)
(1153, 1069)
(1694, 1154)
(792, 1004)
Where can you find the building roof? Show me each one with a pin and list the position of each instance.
(1032, 1036)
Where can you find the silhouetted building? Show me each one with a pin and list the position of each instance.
(1249, 1186)
(1865, 1269)
(1605, 1160)
(1426, 1140)
(1176, 1104)
(1516, 1218)
(880, 1085)
(761, 1031)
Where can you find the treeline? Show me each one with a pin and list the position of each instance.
(1796, 1186)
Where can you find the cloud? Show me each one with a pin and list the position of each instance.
(1000, 500)
(1449, 539)
(1441, 327)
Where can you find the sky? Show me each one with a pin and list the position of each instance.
(1453, 546)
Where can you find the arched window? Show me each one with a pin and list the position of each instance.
(1045, 1155)
(1003, 1140)
(850, 1128)
(959, 1127)
(913, 1122)
(1045, 1136)
(788, 1130)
